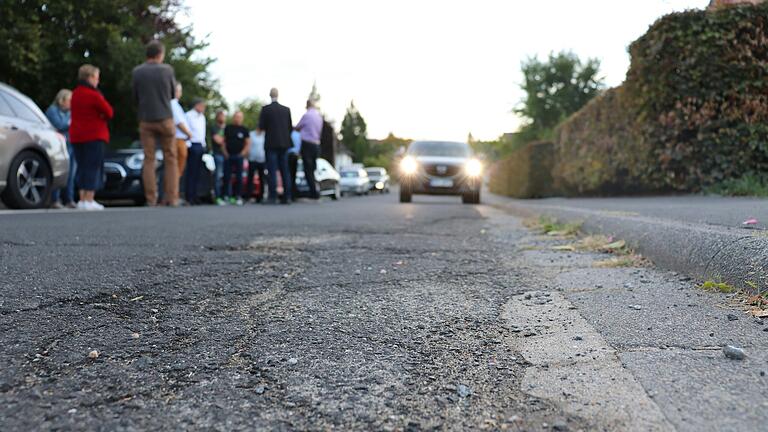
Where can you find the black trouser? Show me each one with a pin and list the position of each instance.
(233, 165)
(309, 154)
(253, 168)
(293, 165)
(192, 176)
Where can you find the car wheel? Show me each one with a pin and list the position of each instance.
(406, 195)
(472, 197)
(29, 182)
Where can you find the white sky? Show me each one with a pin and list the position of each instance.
(428, 69)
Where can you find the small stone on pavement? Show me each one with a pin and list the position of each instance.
(734, 353)
(463, 390)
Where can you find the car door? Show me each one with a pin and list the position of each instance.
(12, 137)
(326, 175)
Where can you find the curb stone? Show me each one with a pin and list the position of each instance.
(735, 256)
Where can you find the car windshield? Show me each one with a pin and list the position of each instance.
(439, 148)
(350, 174)
(375, 172)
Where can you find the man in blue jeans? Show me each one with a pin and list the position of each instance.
(275, 121)
(217, 145)
(238, 143)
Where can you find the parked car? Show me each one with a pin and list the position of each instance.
(354, 181)
(326, 176)
(440, 168)
(33, 155)
(122, 175)
(378, 179)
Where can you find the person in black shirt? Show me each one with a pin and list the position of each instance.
(237, 143)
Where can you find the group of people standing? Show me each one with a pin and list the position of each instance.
(274, 147)
(82, 116)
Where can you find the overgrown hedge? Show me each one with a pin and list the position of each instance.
(526, 173)
(692, 112)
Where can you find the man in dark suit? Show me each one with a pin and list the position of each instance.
(275, 121)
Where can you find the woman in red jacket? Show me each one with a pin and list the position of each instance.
(89, 134)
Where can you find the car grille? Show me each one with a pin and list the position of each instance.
(114, 174)
(441, 170)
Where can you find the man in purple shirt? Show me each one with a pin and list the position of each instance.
(310, 126)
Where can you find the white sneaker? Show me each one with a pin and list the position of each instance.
(239, 202)
(92, 206)
(81, 205)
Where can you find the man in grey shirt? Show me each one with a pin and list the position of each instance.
(153, 88)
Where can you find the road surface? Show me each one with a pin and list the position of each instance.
(362, 314)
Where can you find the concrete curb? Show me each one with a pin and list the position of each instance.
(704, 252)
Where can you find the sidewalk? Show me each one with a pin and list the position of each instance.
(702, 237)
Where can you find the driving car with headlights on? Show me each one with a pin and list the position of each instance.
(354, 181)
(440, 168)
(378, 179)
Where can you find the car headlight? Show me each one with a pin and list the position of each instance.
(135, 161)
(409, 166)
(379, 185)
(474, 168)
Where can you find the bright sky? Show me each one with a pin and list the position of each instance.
(424, 69)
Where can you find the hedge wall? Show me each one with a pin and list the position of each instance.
(693, 109)
(600, 149)
(526, 173)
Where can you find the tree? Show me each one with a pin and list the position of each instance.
(314, 95)
(251, 109)
(554, 90)
(354, 134)
(43, 43)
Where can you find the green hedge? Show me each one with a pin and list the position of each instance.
(692, 112)
(600, 150)
(526, 173)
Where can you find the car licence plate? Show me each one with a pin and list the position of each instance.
(441, 183)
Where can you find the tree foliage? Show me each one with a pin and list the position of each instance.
(354, 134)
(314, 95)
(43, 42)
(692, 112)
(555, 89)
(382, 153)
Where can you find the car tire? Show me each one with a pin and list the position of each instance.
(472, 197)
(31, 190)
(406, 195)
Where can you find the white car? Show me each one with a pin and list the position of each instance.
(354, 181)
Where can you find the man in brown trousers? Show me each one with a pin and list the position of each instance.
(153, 89)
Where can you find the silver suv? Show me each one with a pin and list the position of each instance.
(33, 156)
(441, 168)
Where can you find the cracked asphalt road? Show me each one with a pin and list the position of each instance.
(358, 315)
